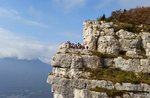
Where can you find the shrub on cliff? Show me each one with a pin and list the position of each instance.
(137, 16)
(102, 18)
(133, 20)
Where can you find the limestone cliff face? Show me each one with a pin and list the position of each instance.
(109, 64)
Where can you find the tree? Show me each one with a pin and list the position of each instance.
(102, 18)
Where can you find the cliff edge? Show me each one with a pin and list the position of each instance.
(110, 64)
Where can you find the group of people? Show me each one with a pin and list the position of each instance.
(75, 45)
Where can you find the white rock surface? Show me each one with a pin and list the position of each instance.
(103, 47)
(108, 44)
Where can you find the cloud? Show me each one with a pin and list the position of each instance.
(15, 15)
(13, 45)
(35, 12)
(69, 4)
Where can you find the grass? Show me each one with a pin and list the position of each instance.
(130, 27)
(114, 92)
(127, 26)
(117, 75)
(143, 53)
(110, 93)
(50, 73)
(106, 55)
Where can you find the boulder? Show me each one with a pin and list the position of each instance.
(145, 38)
(145, 65)
(127, 64)
(108, 45)
(122, 34)
(91, 61)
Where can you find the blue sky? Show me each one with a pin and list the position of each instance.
(32, 29)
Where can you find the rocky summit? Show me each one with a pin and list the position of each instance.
(109, 64)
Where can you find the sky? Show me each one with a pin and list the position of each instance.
(33, 29)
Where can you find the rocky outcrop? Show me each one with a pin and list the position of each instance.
(109, 64)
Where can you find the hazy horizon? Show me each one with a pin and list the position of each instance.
(24, 79)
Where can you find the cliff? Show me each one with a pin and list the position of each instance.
(111, 63)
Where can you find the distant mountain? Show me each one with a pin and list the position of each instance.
(24, 79)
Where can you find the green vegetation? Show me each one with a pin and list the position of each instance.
(114, 92)
(102, 18)
(51, 73)
(137, 16)
(110, 93)
(117, 75)
(133, 20)
(106, 55)
(143, 53)
(126, 26)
